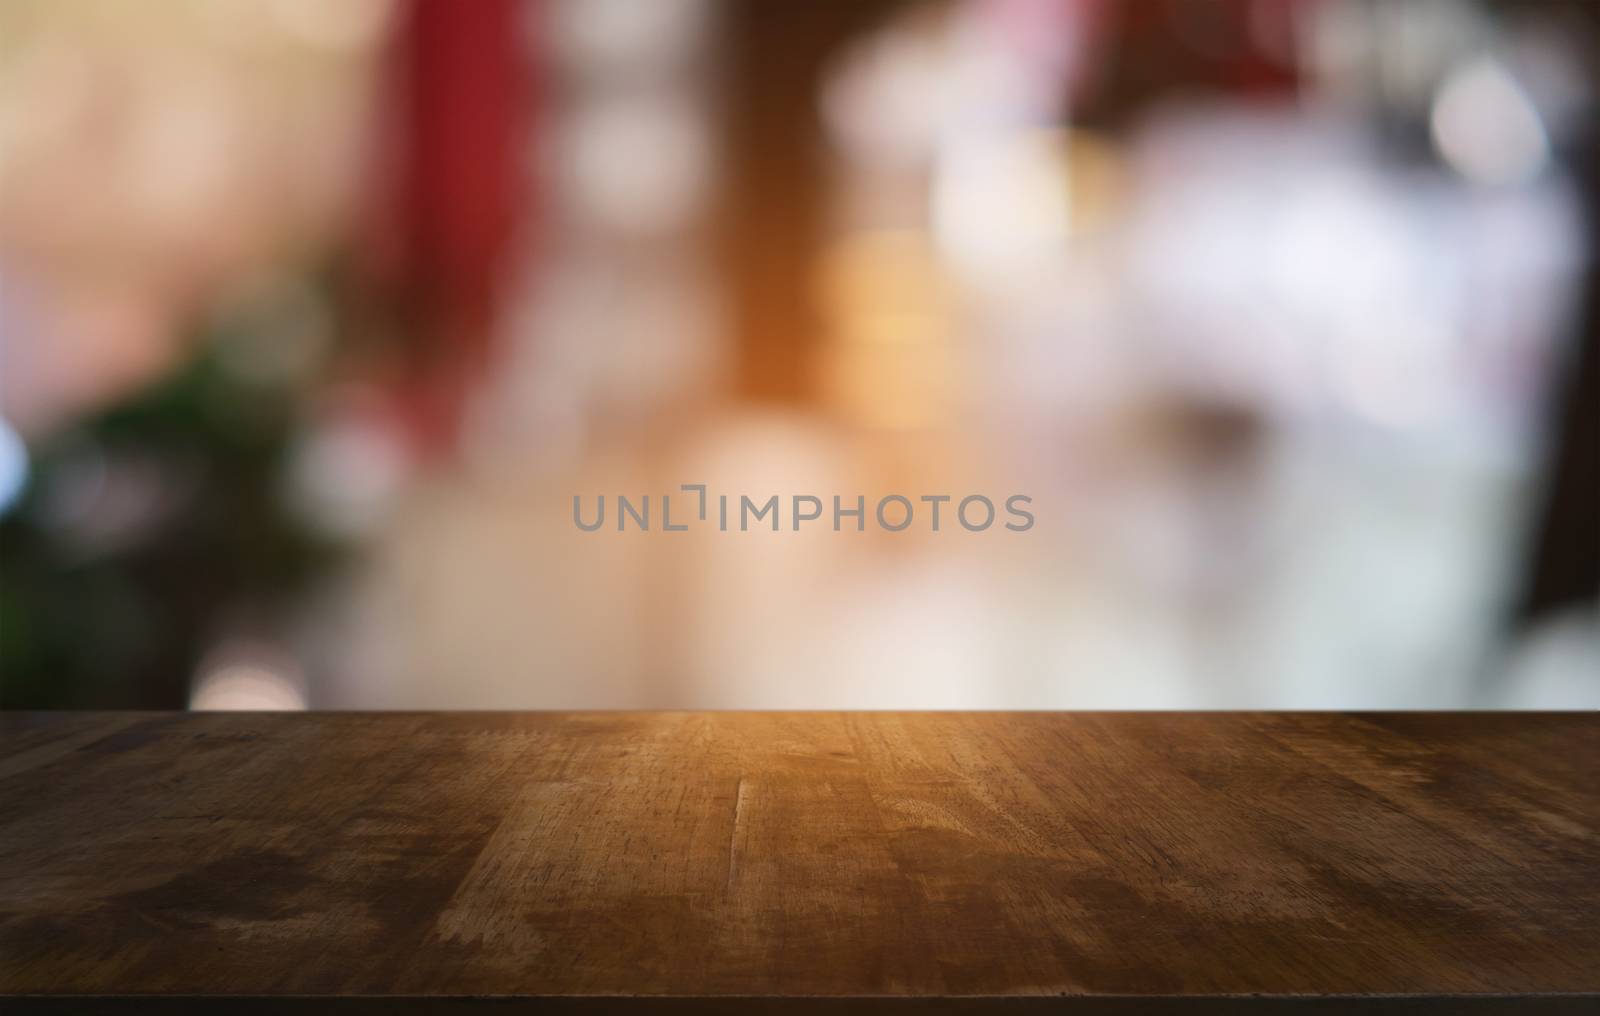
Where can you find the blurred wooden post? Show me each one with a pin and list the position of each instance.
(775, 184)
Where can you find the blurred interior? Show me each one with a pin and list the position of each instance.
(314, 317)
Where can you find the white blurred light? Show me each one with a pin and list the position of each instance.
(637, 163)
(624, 35)
(13, 467)
(1001, 202)
(344, 475)
(246, 676)
(1486, 127)
(889, 99)
(1398, 372)
(1316, 224)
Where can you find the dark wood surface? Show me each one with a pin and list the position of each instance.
(1087, 862)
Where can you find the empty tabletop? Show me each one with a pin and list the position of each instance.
(797, 862)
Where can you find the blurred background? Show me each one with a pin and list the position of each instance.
(315, 316)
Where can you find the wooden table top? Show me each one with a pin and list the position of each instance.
(1061, 862)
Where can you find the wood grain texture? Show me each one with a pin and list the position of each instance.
(1038, 861)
